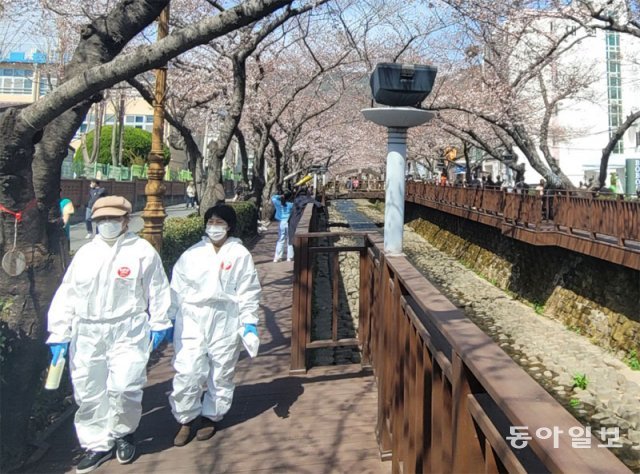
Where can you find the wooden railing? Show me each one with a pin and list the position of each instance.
(612, 217)
(449, 398)
(78, 191)
(606, 228)
(306, 249)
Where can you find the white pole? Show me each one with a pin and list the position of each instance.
(395, 186)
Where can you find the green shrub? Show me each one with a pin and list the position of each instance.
(247, 219)
(136, 148)
(180, 233)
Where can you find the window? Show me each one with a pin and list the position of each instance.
(44, 86)
(144, 122)
(614, 83)
(16, 81)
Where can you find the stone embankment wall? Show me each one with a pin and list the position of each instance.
(596, 298)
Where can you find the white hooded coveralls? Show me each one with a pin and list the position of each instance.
(110, 299)
(212, 295)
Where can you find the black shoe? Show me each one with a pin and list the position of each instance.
(92, 460)
(125, 449)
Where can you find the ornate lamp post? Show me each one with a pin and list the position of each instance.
(154, 213)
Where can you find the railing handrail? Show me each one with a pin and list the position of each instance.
(521, 399)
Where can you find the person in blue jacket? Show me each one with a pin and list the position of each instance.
(284, 205)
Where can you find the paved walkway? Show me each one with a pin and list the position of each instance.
(319, 423)
(79, 230)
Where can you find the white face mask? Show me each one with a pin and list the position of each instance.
(216, 232)
(110, 229)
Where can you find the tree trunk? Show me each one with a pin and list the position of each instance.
(214, 190)
(120, 137)
(613, 140)
(218, 149)
(242, 144)
(24, 298)
(98, 132)
(86, 159)
(113, 148)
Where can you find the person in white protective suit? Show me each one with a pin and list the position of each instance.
(111, 308)
(214, 293)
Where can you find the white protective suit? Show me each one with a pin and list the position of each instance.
(212, 295)
(110, 299)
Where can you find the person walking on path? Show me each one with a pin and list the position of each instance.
(95, 193)
(66, 211)
(191, 195)
(109, 313)
(300, 202)
(284, 205)
(215, 293)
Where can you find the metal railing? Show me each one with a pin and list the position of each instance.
(101, 171)
(448, 396)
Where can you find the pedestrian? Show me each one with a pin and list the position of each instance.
(300, 201)
(355, 183)
(283, 204)
(540, 187)
(215, 292)
(349, 184)
(191, 195)
(66, 211)
(95, 193)
(109, 312)
(443, 179)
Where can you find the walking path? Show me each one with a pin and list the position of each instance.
(323, 422)
(79, 231)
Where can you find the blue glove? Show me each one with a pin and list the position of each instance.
(169, 337)
(250, 328)
(58, 349)
(157, 337)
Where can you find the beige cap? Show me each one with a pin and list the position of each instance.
(111, 206)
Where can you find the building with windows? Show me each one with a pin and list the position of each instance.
(615, 95)
(22, 80)
(583, 123)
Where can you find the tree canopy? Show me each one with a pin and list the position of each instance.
(135, 148)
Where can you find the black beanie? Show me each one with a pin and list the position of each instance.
(224, 212)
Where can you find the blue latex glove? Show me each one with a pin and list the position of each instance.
(157, 337)
(169, 337)
(58, 349)
(250, 328)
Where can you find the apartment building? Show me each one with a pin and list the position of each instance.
(582, 124)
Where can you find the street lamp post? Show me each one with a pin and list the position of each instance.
(154, 213)
(399, 86)
(397, 120)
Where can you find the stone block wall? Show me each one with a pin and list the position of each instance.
(596, 298)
